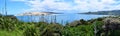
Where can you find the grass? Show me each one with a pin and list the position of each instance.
(11, 33)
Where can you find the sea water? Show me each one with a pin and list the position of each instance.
(59, 18)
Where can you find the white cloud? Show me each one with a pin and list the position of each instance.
(18, 0)
(77, 5)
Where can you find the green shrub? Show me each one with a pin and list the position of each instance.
(52, 30)
(82, 30)
(31, 31)
(7, 23)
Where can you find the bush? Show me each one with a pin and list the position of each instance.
(82, 30)
(52, 30)
(7, 23)
(31, 31)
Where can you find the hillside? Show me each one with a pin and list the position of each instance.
(113, 12)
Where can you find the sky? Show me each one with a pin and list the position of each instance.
(60, 6)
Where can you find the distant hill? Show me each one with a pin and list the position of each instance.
(113, 12)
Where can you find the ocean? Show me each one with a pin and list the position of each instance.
(59, 18)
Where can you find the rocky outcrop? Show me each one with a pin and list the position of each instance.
(111, 23)
(75, 23)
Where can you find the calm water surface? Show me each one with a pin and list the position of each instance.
(60, 18)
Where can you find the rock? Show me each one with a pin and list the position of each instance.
(111, 23)
(75, 23)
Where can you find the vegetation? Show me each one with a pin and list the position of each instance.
(10, 26)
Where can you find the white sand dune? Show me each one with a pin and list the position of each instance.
(34, 13)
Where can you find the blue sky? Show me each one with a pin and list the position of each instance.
(60, 6)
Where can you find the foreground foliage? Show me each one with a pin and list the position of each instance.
(10, 26)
